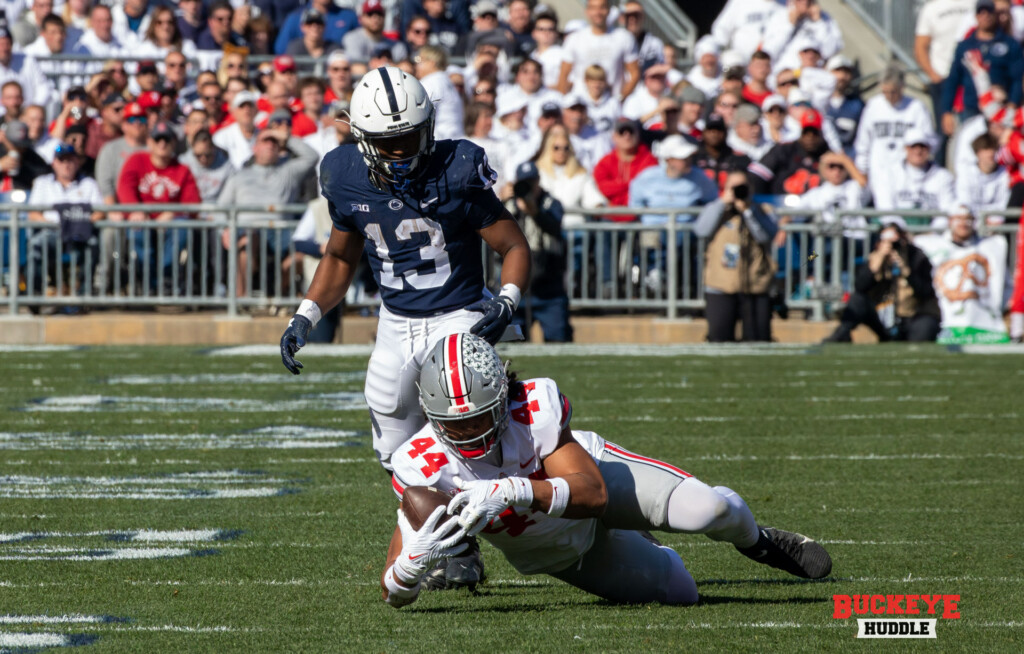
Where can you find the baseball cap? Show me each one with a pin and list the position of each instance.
(526, 170)
(772, 101)
(959, 209)
(550, 109)
(896, 221)
(811, 119)
(64, 151)
(338, 56)
(916, 136)
(280, 116)
(147, 67)
(382, 49)
(370, 7)
(167, 88)
(715, 121)
(676, 147)
(133, 110)
(509, 103)
(807, 42)
(544, 11)
(112, 98)
(313, 15)
(162, 130)
(149, 100)
(627, 123)
(17, 133)
(839, 61)
(748, 113)
(796, 96)
(693, 95)
(657, 69)
(483, 8)
(570, 100)
(284, 63)
(706, 45)
(242, 97)
(987, 5)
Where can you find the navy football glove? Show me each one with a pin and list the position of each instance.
(294, 338)
(497, 315)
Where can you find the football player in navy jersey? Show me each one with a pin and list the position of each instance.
(419, 208)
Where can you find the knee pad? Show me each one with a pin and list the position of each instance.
(694, 507)
(680, 588)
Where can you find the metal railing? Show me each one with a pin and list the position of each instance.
(894, 21)
(225, 263)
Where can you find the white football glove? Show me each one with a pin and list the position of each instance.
(483, 500)
(422, 549)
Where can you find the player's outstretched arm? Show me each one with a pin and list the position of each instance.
(329, 285)
(411, 553)
(506, 238)
(587, 495)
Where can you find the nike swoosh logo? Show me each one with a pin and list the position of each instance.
(413, 558)
(523, 465)
(426, 203)
(494, 490)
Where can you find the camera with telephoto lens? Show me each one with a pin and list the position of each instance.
(522, 188)
(741, 192)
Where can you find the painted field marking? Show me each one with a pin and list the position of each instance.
(285, 437)
(242, 378)
(342, 401)
(229, 484)
(609, 349)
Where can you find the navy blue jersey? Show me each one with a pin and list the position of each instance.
(422, 243)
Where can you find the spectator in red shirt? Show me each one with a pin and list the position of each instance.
(155, 176)
(616, 170)
(277, 97)
(756, 89)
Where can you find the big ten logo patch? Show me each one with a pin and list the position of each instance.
(846, 606)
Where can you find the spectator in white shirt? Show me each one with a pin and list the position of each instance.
(887, 117)
(479, 130)
(238, 138)
(935, 39)
(53, 40)
(802, 18)
(431, 63)
(740, 26)
(513, 133)
(564, 176)
(26, 28)
(547, 52)
(774, 124)
(128, 12)
(25, 70)
(603, 108)
(529, 84)
(99, 39)
(611, 49)
(916, 182)
(73, 196)
(815, 81)
(842, 187)
(588, 143)
(985, 186)
(649, 48)
(644, 104)
(706, 75)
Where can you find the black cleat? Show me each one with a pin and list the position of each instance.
(463, 571)
(795, 553)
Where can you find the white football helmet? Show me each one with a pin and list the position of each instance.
(463, 379)
(389, 105)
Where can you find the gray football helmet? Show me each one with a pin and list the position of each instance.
(464, 393)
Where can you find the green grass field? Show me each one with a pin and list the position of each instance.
(169, 500)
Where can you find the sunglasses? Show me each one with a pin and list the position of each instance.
(270, 139)
(64, 150)
(626, 130)
(730, 105)
(220, 19)
(788, 82)
(483, 91)
(544, 29)
(420, 31)
(136, 120)
(836, 166)
(164, 22)
(163, 138)
(211, 98)
(175, 64)
(339, 69)
(203, 155)
(560, 148)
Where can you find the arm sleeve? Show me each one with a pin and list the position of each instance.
(761, 226)
(707, 222)
(128, 183)
(482, 204)
(105, 176)
(952, 83)
(189, 189)
(302, 163)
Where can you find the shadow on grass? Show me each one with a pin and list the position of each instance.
(774, 582)
(705, 600)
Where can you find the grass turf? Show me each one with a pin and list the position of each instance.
(904, 461)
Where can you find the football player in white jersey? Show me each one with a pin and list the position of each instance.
(555, 500)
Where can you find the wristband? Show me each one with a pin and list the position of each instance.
(512, 292)
(559, 497)
(399, 595)
(311, 311)
(522, 490)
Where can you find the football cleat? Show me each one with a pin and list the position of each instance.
(794, 553)
(463, 571)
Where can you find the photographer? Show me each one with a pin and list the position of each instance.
(739, 265)
(540, 217)
(899, 275)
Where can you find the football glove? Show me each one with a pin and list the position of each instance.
(294, 338)
(484, 500)
(423, 549)
(497, 316)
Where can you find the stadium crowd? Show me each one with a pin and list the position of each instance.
(579, 114)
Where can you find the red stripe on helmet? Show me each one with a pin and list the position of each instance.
(454, 367)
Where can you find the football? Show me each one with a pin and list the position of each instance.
(418, 502)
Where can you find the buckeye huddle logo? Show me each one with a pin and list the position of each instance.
(845, 606)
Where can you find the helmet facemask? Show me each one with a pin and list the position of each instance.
(464, 394)
(397, 171)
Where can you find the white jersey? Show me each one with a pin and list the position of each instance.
(448, 119)
(879, 143)
(532, 541)
(782, 38)
(963, 149)
(46, 190)
(550, 64)
(828, 198)
(741, 25)
(983, 191)
(590, 146)
(231, 140)
(640, 103)
(611, 51)
(939, 20)
(907, 187)
(603, 112)
(709, 86)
